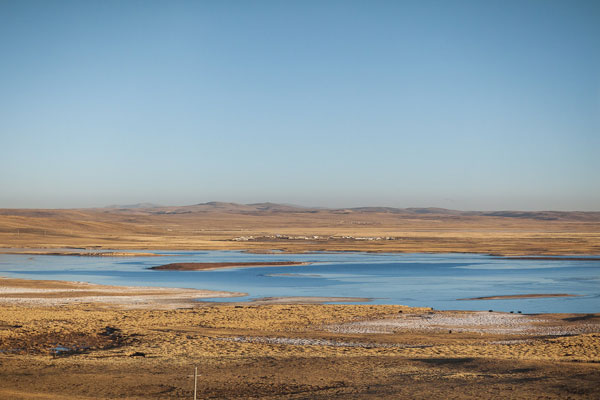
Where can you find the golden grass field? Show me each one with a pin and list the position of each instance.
(221, 226)
(65, 340)
(141, 350)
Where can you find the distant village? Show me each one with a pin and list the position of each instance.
(314, 237)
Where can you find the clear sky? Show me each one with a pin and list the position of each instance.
(475, 105)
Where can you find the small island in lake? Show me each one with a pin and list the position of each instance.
(203, 266)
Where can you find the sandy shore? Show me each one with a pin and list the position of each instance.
(55, 293)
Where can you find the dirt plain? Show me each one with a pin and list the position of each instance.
(266, 227)
(66, 340)
(97, 350)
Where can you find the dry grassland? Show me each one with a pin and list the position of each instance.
(285, 351)
(237, 227)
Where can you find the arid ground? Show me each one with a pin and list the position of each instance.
(265, 227)
(66, 340)
(52, 347)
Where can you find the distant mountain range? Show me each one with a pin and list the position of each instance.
(267, 207)
(137, 205)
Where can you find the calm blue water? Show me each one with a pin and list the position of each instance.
(431, 280)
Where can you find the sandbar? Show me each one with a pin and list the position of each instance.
(217, 265)
(57, 293)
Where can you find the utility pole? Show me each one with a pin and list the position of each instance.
(195, 381)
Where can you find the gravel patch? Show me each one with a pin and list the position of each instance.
(476, 322)
(313, 342)
(511, 342)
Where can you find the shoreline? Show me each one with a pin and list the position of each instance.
(16, 293)
(52, 293)
(177, 297)
(308, 300)
(116, 251)
(90, 253)
(48, 293)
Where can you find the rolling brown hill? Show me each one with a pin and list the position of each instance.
(268, 226)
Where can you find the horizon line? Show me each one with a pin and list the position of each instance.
(148, 205)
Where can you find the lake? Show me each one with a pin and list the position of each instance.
(428, 280)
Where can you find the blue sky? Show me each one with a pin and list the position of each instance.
(476, 105)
